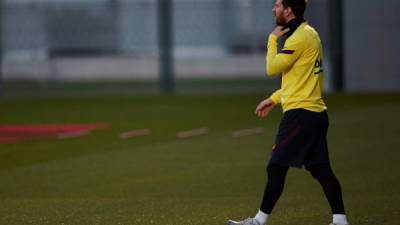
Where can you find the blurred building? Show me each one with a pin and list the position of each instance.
(118, 39)
(82, 40)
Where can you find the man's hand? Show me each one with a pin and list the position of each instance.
(279, 32)
(264, 108)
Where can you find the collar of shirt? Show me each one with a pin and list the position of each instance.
(293, 25)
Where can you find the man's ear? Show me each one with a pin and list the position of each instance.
(288, 11)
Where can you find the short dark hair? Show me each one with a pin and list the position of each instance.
(298, 6)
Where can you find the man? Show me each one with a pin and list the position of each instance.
(301, 139)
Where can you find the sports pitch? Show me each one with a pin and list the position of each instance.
(202, 180)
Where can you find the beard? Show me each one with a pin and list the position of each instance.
(280, 20)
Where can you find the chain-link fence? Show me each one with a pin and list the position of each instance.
(38, 36)
(117, 40)
(130, 27)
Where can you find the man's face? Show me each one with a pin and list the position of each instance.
(279, 12)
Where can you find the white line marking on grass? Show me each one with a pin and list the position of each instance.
(135, 133)
(192, 133)
(73, 134)
(247, 132)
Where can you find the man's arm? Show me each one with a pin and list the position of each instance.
(280, 62)
(265, 106)
(276, 96)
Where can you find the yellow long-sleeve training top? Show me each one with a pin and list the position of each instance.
(300, 63)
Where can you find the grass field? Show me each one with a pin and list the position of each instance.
(204, 180)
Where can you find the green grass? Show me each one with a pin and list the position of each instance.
(28, 89)
(158, 179)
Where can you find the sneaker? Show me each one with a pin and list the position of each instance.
(248, 221)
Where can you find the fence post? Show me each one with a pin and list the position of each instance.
(336, 48)
(165, 33)
(1, 49)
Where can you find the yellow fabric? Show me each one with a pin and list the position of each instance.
(300, 64)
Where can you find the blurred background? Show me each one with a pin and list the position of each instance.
(141, 112)
(156, 46)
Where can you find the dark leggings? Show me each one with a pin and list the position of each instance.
(322, 173)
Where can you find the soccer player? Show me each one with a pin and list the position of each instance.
(301, 139)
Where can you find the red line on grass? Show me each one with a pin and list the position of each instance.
(9, 140)
(15, 133)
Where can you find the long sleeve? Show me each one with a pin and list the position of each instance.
(276, 96)
(282, 61)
